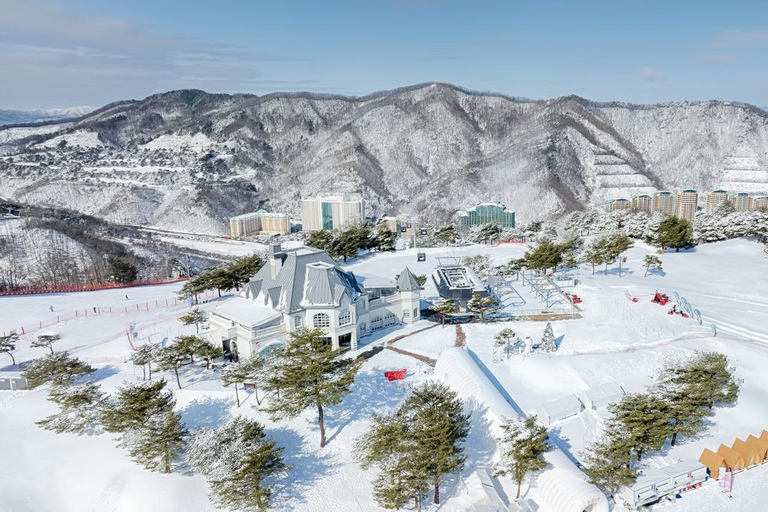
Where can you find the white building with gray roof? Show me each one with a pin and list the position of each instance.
(306, 288)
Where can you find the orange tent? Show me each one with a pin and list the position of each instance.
(713, 461)
(747, 452)
(764, 436)
(733, 459)
(759, 445)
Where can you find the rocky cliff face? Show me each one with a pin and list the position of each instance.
(187, 160)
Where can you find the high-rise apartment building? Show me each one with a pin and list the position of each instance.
(259, 222)
(641, 203)
(663, 202)
(760, 202)
(742, 201)
(617, 205)
(330, 212)
(687, 204)
(487, 213)
(716, 198)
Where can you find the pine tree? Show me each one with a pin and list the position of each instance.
(8, 345)
(239, 461)
(173, 357)
(241, 271)
(523, 446)
(45, 341)
(252, 370)
(651, 262)
(195, 317)
(58, 369)
(389, 446)
(143, 416)
(308, 372)
(439, 427)
(80, 409)
(504, 338)
(674, 233)
(595, 254)
(385, 238)
(548, 341)
(144, 356)
(546, 255)
(443, 308)
(609, 464)
(693, 387)
(322, 239)
(482, 304)
(642, 420)
(617, 246)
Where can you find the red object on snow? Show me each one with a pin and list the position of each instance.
(660, 299)
(576, 299)
(396, 374)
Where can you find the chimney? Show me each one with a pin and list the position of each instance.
(275, 259)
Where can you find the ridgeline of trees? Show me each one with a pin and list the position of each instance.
(346, 243)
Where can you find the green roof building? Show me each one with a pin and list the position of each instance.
(487, 213)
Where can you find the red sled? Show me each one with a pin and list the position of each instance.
(396, 375)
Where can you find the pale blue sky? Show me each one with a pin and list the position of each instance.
(90, 52)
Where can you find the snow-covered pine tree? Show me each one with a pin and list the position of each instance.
(308, 372)
(240, 462)
(504, 339)
(194, 317)
(251, 370)
(548, 341)
(8, 345)
(443, 308)
(58, 369)
(608, 463)
(651, 262)
(45, 341)
(523, 444)
(80, 409)
(149, 428)
(144, 356)
(480, 304)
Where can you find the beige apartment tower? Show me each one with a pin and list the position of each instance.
(617, 205)
(760, 203)
(663, 202)
(330, 212)
(687, 204)
(715, 199)
(742, 201)
(641, 203)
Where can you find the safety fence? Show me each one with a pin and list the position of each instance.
(139, 307)
(37, 290)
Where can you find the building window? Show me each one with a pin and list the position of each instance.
(296, 322)
(345, 317)
(406, 314)
(390, 319)
(415, 313)
(376, 324)
(321, 320)
(363, 327)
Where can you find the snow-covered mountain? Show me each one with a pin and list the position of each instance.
(188, 159)
(32, 116)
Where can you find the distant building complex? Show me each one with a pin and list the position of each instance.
(259, 222)
(663, 202)
(687, 204)
(487, 213)
(330, 212)
(616, 205)
(400, 224)
(641, 203)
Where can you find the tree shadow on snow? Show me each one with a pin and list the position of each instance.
(370, 394)
(559, 340)
(206, 412)
(308, 467)
(103, 373)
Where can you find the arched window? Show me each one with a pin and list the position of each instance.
(362, 327)
(321, 320)
(406, 313)
(390, 319)
(297, 322)
(345, 317)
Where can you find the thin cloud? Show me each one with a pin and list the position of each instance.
(651, 75)
(718, 59)
(741, 38)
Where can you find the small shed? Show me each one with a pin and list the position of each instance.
(747, 452)
(556, 410)
(713, 461)
(759, 445)
(602, 395)
(649, 487)
(686, 473)
(733, 459)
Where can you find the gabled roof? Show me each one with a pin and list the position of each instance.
(286, 291)
(407, 282)
(713, 461)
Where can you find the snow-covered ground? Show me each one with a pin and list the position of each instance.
(617, 340)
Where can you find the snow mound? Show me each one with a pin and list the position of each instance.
(197, 143)
(80, 139)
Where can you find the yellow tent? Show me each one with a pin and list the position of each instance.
(747, 452)
(759, 445)
(764, 436)
(713, 461)
(733, 459)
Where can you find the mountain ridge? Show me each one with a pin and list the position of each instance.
(428, 149)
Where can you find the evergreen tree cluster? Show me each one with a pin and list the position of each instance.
(346, 243)
(682, 397)
(482, 305)
(416, 446)
(607, 250)
(724, 225)
(231, 277)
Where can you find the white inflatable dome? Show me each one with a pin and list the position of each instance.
(562, 487)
